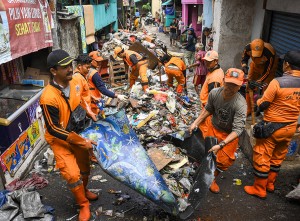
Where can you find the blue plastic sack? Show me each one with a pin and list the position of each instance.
(121, 155)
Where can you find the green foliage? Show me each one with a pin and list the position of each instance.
(147, 7)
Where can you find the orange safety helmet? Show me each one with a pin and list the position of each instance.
(95, 55)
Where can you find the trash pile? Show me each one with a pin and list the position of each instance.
(161, 118)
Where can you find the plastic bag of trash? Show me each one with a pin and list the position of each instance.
(192, 144)
(204, 177)
(295, 194)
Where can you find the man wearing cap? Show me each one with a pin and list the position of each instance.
(96, 85)
(60, 101)
(138, 64)
(228, 110)
(281, 106)
(175, 68)
(262, 67)
(214, 79)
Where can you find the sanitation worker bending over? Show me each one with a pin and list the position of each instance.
(61, 105)
(281, 106)
(138, 64)
(228, 110)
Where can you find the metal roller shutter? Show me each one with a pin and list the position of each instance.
(285, 33)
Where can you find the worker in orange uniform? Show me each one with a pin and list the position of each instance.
(214, 79)
(262, 68)
(96, 85)
(138, 64)
(281, 106)
(175, 68)
(228, 110)
(60, 103)
(80, 73)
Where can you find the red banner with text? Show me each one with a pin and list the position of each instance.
(25, 27)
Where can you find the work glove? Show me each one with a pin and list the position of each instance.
(245, 70)
(122, 97)
(80, 141)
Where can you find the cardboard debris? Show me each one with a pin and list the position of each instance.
(159, 158)
(180, 164)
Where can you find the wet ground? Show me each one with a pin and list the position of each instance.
(232, 203)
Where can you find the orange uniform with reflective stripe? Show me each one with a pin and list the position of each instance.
(94, 92)
(176, 73)
(262, 69)
(139, 69)
(283, 94)
(215, 76)
(85, 87)
(225, 156)
(70, 159)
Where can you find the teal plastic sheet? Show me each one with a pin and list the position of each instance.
(121, 155)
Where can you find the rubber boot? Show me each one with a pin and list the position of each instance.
(214, 188)
(271, 180)
(258, 189)
(84, 212)
(88, 194)
(145, 87)
(248, 101)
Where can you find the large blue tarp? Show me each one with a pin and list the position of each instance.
(121, 155)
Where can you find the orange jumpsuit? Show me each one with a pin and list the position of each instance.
(225, 156)
(71, 160)
(283, 98)
(94, 92)
(177, 72)
(86, 96)
(213, 79)
(139, 68)
(262, 69)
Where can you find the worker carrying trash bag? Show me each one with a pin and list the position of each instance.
(138, 64)
(281, 106)
(64, 118)
(228, 109)
(96, 84)
(175, 68)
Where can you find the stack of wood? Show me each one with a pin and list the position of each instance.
(117, 73)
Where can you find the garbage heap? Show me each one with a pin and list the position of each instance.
(161, 117)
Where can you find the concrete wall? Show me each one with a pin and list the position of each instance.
(258, 21)
(232, 25)
(67, 32)
(207, 14)
(290, 6)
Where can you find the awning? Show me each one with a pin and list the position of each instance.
(169, 2)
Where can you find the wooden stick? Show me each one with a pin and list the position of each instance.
(252, 106)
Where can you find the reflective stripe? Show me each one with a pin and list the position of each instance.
(220, 170)
(275, 168)
(261, 174)
(73, 185)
